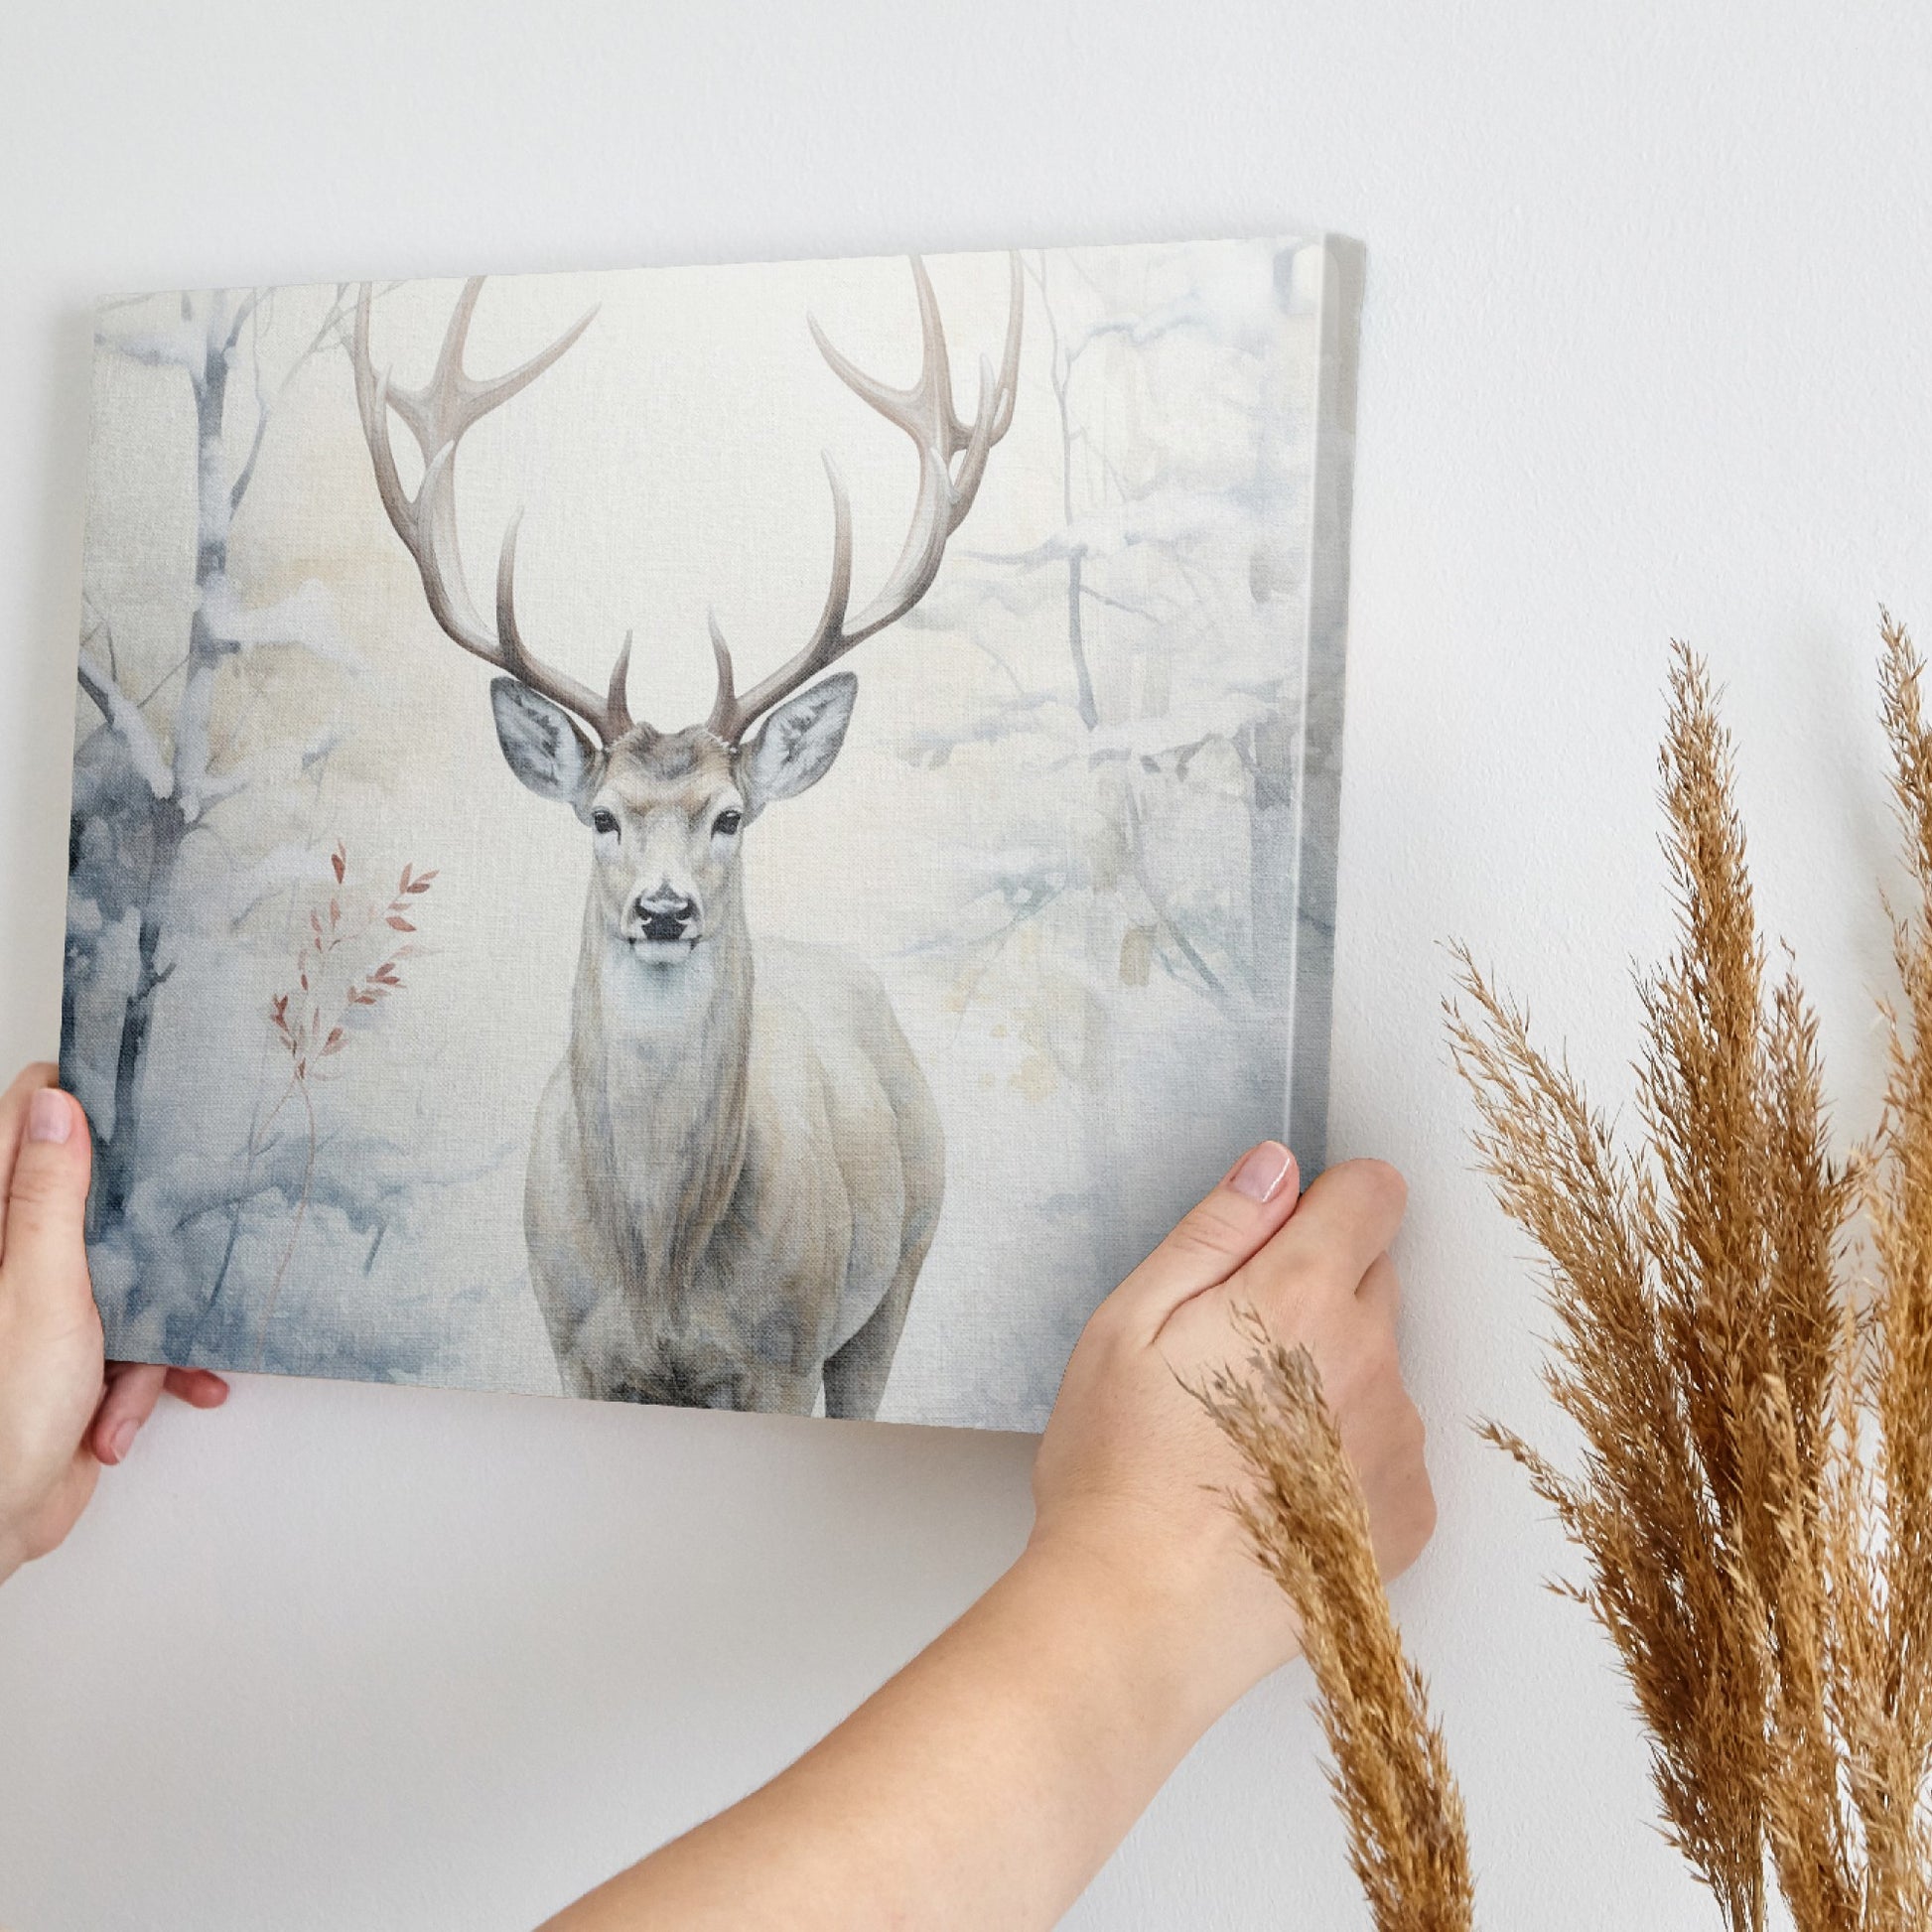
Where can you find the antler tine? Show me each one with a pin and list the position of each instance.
(731, 716)
(994, 416)
(616, 702)
(437, 416)
(1010, 355)
(608, 715)
(928, 414)
(372, 404)
(453, 400)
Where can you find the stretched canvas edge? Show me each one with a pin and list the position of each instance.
(1318, 849)
(90, 486)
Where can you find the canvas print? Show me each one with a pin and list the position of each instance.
(743, 837)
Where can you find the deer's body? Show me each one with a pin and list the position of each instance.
(736, 1173)
(734, 1177)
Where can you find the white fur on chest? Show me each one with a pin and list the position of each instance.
(655, 1009)
(673, 1041)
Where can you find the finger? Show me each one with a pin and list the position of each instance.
(1254, 1198)
(13, 1125)
(44, 1261)
(1347, 1218)
(199, 1388)
(133, 1388)
(1380, 1293)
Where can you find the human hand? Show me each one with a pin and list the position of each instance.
(1130, 1477)
(64, 1411)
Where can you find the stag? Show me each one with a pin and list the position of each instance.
(737, 1169)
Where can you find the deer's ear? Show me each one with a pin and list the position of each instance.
(794, 747)
(543, 746)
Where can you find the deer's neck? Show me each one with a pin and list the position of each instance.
(660, 1068)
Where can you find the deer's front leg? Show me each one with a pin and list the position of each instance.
(740, 1345)
(577, 1268)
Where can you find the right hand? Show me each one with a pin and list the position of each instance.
(1131, 1477)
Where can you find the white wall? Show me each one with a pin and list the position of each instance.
(1645, 355)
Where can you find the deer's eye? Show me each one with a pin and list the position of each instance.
(603, 821)
(726, 823)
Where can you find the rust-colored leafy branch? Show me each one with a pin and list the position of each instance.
(314, 1020)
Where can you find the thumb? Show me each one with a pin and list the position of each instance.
(1233, 1223)
(44, 1257)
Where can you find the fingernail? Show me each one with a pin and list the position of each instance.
(50, 1115)
(1261, 1174)
(121, 1437)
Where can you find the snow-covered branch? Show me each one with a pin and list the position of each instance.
(305, 620)
(124, 719)
(184, 346)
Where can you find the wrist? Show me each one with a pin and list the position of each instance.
(1167, 1635)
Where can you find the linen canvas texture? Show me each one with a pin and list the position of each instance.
(838, 1059)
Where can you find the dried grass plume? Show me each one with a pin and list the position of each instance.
(1309, 1524)
(1753, 1502)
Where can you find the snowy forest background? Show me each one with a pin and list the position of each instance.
(1083, 826)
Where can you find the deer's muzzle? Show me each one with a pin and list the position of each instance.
(661, 918)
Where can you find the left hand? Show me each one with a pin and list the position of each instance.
(63, 1410)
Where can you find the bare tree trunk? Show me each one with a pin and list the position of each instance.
(117, 1156)
(1076, 643)
(1061, 367)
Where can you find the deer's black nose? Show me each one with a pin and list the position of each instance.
(664, 915)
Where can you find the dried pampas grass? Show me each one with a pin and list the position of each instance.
(1754, 1389)
(1755, 1495)
(1309, 1524)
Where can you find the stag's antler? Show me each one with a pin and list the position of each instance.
(437, 415)
(927, 414)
